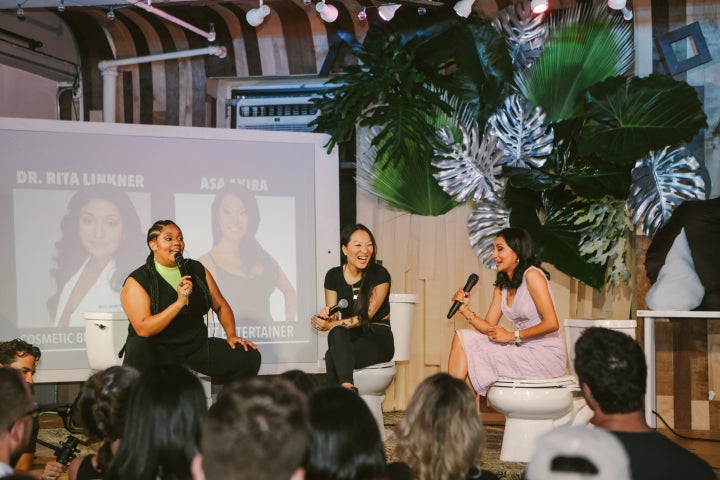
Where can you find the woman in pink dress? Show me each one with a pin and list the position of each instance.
(489, 352)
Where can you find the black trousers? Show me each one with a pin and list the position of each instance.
(214, 358)
(351, 348)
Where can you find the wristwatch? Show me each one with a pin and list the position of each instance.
(518, 340)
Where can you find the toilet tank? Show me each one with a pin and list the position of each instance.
(105, 334)
(402, 312)
(575, 326)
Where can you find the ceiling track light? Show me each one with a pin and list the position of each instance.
(387, 11)
(362, 15)
(20, 12)
(61, 6)
(327, 12)
(111, 14)
(256, 16)
(539, 6)
(464, 7)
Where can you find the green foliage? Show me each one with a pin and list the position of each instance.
(627, 119)
(576, 56)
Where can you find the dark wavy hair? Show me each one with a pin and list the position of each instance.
(520, 242)
(250, 249)
(162, 431)
(345, 442)
(102, 406)
(69, 257)
(612, 365)
(11, 350)
(368, 275)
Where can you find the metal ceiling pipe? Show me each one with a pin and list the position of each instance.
(109, 71)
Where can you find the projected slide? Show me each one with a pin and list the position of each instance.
(76, 207)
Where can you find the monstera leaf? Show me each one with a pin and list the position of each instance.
(526, 32)
(484, 222)
(554, 232)
(585, 46)
(661, 182)
(628, 119)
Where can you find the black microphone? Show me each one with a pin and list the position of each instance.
(182, 264)
(471, 281)
(340, 305)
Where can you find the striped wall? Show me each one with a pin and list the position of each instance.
(292, 40)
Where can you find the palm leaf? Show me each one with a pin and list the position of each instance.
(628, 119)
(662, 181)
(585, 46)
(409, 186)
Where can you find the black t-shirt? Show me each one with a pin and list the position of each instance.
(653, 456)
(335, 281)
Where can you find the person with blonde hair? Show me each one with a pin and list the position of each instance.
(441, 436)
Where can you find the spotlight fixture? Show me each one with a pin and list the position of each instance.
(362, 15)
(61, 6)
(20, 12)
(111, 14)
(256, 16)
(307, 2)
(621, 5)
(387, 11)
(464, 7)
(422, 10)
(539, 6)
(328, 13)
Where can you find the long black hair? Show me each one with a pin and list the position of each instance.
(520, 242)
(345, 442)
(362, 303)
(162, 431)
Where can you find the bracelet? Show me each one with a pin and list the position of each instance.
(518, 340)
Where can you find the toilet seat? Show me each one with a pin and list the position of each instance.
(376, 366)
(560, 382)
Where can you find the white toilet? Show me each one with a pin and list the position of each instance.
(373, 380)
(105, 334)
(533, 407)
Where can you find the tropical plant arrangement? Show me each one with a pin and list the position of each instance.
(535, 120)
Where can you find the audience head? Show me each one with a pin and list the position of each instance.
(102, 405)
(21, 356)
(163, 425)
(441, 435)
(345, 442)
(612, 366)
(257, 430)
(15, 419)
(578, 453)
(305, 382)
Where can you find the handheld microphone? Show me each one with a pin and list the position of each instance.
(340, 305)
(182, 264)
(471, 281)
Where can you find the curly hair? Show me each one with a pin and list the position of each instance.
(612, 365)
(102, 405)
(11, 350)
(520, 242)
(441, 436)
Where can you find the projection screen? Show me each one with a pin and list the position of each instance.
(77, 200)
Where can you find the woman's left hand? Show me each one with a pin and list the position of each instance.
(235, 340)
(321, 324)
(499, 335)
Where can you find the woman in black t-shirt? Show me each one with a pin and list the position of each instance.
(359, 334)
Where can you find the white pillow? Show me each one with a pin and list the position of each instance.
(678, 286)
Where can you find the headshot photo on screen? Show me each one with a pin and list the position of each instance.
(243, 269)
(95, 253)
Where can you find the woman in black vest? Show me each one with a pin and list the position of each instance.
(166, 309)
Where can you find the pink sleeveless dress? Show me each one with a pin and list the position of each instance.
(536, 358)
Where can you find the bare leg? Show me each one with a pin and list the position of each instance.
(457, 364)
